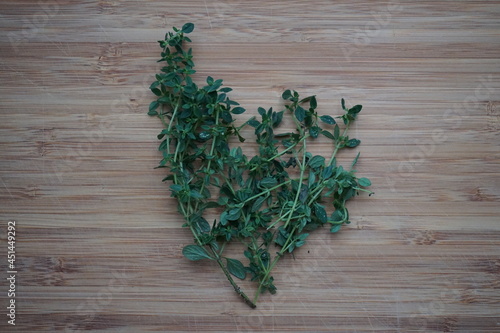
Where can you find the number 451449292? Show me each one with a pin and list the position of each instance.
(11, 244)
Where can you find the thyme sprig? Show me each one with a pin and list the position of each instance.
(270, 201)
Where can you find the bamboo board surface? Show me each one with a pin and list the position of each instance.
(98, 236)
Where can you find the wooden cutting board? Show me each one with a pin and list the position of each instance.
(98, 238)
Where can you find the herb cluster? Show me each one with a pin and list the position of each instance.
(270, 201)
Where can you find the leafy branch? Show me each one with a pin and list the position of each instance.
(272, 199)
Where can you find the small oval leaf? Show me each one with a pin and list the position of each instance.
(268, 182)
(236, 268)
(258, 204)
(364, 182)
(353, 143)
(234, 214)
(313, 103)
(300, 113)
(195, 252)
(314, 131)
(287, 94)
(187, 28)
(335, 228)
(317, 161)
(238, 110)
(328, 135)
(336, 132)
(320, 213)
(327, 119)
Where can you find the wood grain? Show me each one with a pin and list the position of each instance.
(99, 240)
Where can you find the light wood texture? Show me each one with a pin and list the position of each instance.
(99, 239)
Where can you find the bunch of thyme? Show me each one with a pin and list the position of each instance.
(270, 201)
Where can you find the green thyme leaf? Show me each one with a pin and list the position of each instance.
(320, 213)
(327, 119)
(236, 268)
(317, 161)
(355, 160)
(300, 113)
(287, 94)
(195, 252)
(336, 132)
(335, 228)
(328, 134)
(152, 108)
(364, 182)
(268, 182)
(258, 204)
(313, 103)
(187, 28)
(237, 110)
(355, 110)
(353, 143)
